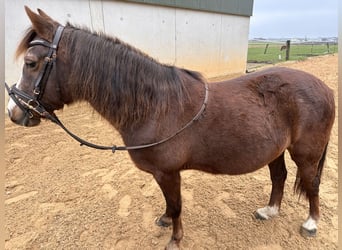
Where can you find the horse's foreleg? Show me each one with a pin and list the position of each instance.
(278, 175)
(170, 186)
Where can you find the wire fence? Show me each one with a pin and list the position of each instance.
(273, 52)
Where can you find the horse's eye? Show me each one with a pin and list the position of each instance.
(31, 64)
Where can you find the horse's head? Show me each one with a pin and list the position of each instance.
(38, 91)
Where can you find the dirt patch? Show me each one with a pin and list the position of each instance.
(62, 196)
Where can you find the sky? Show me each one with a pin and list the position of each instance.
(294, 19)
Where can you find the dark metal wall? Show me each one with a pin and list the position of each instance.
(234, 7)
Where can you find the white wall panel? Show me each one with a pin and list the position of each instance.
(151, 29)
(203, 30)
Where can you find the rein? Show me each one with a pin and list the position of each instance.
(53, 117)
(29, 103)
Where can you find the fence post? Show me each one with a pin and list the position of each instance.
(287, 50)
(265, 51)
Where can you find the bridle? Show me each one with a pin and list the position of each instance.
(31, 104)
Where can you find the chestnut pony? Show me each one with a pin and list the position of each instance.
(230, 127)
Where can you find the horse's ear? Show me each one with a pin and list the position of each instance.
(43, 14)
(44, 26)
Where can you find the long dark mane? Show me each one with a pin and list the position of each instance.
(120, 81)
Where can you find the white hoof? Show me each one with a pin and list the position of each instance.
(267, 212)
(309, 228)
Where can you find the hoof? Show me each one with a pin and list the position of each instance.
(266, 213)
(164, 221)
(259, 216)
(309, 228)
(308, 233)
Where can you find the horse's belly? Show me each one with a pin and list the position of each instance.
(237, 156)
(224, 167)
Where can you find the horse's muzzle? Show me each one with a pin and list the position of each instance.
(18, 111)
(22, 118)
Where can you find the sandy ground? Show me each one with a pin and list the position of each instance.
(63, 196)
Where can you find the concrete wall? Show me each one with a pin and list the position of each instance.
(212, 43)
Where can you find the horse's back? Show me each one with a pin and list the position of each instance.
(296, 94)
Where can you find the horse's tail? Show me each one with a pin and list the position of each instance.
(299, 187)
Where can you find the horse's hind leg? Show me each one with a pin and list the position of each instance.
(308, 179)
(170, 186)
(278, 175)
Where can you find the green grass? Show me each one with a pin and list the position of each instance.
(256, 51)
